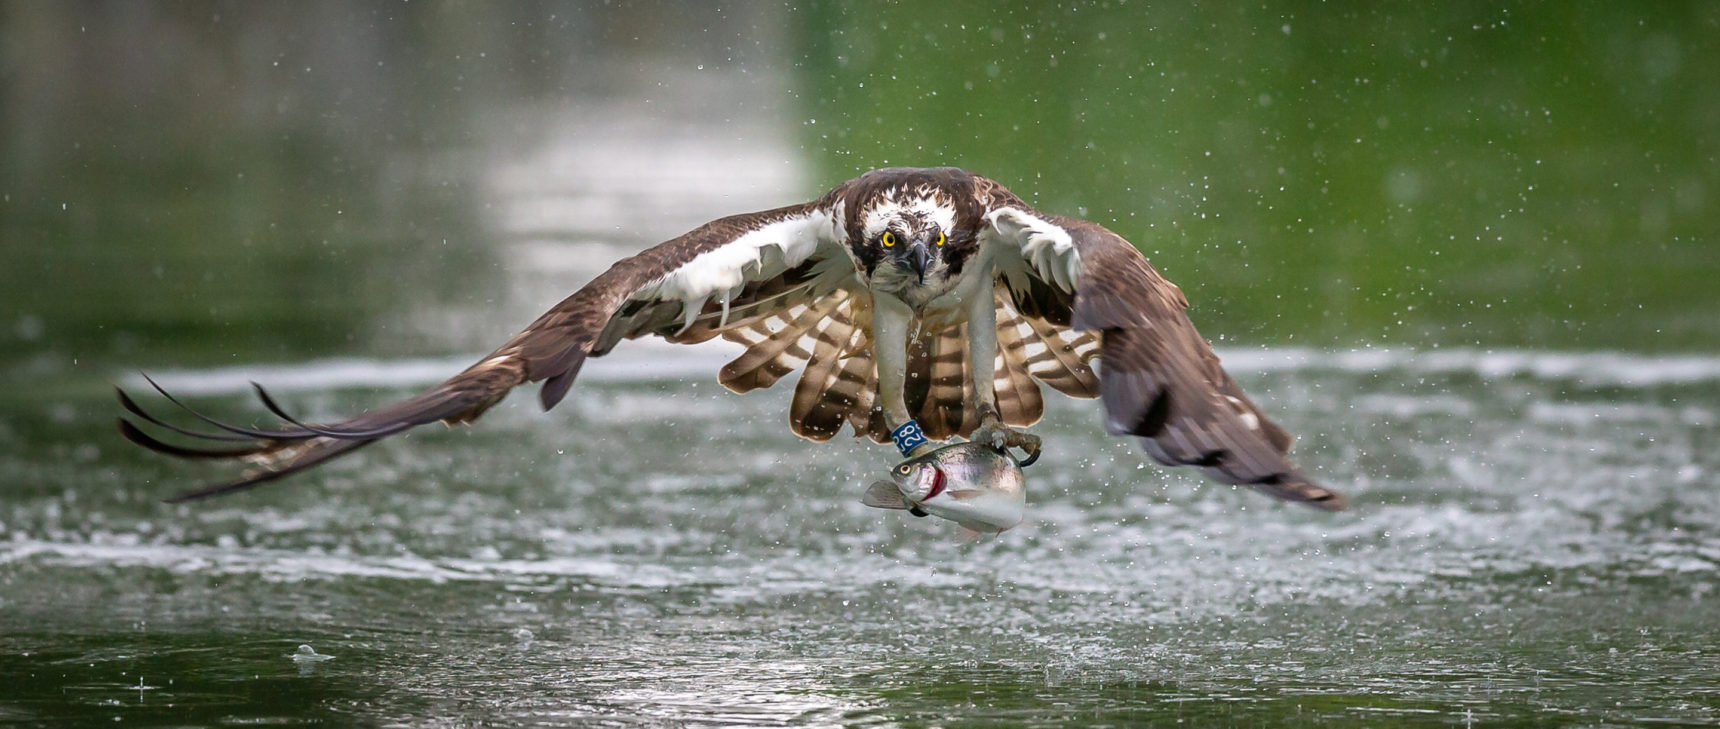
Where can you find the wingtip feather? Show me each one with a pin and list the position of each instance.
(1295, 487)
(136, 435)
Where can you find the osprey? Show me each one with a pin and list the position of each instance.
(920, 304)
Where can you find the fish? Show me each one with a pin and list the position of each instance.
(972, 484)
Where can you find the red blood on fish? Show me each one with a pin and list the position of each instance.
(937, 484)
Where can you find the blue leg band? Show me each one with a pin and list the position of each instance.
(908, 437)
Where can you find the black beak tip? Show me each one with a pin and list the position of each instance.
(920, 257)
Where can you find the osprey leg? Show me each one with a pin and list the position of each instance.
(891, 321)
(981, 373)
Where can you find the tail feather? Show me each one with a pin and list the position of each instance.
(952, 382)
(937, 384)
(1293, 486)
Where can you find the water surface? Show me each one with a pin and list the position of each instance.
(1532, 540)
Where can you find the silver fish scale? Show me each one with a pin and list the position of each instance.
(973, 466)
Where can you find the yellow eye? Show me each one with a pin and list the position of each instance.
(904, 469)
(889, 239)
(940, 237)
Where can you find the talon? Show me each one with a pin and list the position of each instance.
(991, 433)
(1002, 437)
(1029, 444)
(1032, 458)
(1025, 441)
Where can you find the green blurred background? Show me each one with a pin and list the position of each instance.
(193, 183)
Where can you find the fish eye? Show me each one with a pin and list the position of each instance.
(889, 239)
(940, 237)
(904, 469)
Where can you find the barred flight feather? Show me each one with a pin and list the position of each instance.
(866, 417)
(1062, 363)
(821, 400)
(776, 346)
(1019, 401)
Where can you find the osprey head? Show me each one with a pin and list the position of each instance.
(913, 246)
(909, 236)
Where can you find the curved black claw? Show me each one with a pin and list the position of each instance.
(1032, 458)
(1001, 438)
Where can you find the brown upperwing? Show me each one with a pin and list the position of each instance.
(1158, 378)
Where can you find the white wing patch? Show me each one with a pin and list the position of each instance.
(1043, 245)
(760, 254)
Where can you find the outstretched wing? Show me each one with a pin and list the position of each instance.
(734, 275)
(1158, 378)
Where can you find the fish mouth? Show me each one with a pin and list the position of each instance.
(937, 484)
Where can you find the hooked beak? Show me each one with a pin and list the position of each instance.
(919, 257)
